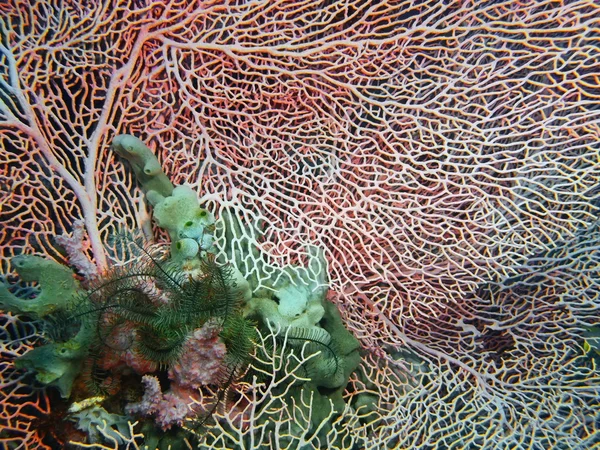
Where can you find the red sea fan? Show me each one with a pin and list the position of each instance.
(430, 149)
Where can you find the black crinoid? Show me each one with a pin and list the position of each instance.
(149, 309)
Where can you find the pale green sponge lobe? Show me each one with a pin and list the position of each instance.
(176, 208)
(189, 225)
(56, 363)
(145, 165)
(56, 282)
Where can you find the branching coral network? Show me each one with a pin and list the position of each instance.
(443, 155)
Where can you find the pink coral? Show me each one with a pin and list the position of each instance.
(199, 365)
(201, 359)
(76, 247)
(121, 351)
(427, 147)
(170, 408)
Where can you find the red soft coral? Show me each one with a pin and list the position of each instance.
(170, 408)
(201, 359)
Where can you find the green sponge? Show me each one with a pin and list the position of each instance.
(186, 222)
(57, 283)
(176, 209)
(57, 364)
(145, 165)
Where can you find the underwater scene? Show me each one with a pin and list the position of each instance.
(300, 224)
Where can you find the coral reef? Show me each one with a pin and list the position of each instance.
(293, 300)
(182, 314)
(438, 153)
(91, 418)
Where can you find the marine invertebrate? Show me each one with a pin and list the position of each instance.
(151, 307)
(145, 165)
(57, 363)
(58, 287)
(429, 148)
(170, 408)
(145, 314)
(302, 311)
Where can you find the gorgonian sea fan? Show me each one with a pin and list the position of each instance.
(436, 151)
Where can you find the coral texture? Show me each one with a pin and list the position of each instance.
(201, 359)
(444, 156)
(170, 408)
